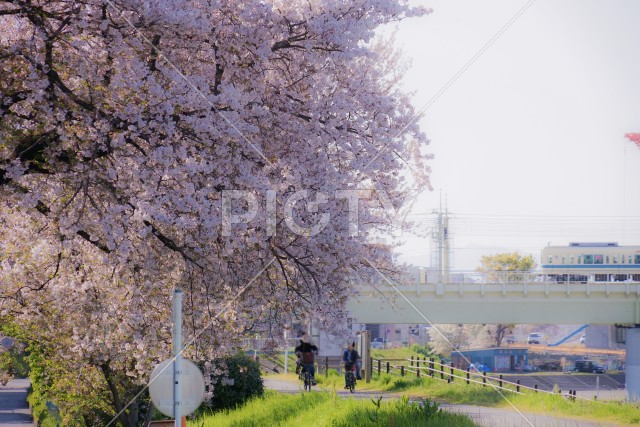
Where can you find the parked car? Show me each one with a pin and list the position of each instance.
(534, 338)
(379, 343)
(588, 366)
(530, 368)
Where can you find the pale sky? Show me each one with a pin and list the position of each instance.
(529, 141)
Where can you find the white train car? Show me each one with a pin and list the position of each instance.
(591, 262)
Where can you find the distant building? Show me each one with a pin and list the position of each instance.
(397, 334)
(496, 359)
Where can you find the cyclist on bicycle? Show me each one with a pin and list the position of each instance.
(306, 351)
(349, 357)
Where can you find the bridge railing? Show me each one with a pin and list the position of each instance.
(535, 276)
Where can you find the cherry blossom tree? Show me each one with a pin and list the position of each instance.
(151, 145)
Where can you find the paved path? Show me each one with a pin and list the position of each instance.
(501, 417)
(14, 410)
(483, 416)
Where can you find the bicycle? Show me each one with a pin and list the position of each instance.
(308, 381)
(306, 378)
(351, 380)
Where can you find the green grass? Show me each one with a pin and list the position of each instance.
(624, 413)
(543, 403)
(400, 352)
(610, 412)
(620, 413)
(328, 409)
(475, 394)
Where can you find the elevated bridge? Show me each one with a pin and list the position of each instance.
(500, 298)
(508, 297)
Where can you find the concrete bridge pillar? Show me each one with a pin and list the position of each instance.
(633, 363)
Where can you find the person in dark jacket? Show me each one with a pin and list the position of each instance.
(349, 357)
(306, 351)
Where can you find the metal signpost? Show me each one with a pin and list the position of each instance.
(177, 349)
(177, 385)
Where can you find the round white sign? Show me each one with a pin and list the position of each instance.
(191, 387)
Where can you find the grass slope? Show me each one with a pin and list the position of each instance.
(328, 409)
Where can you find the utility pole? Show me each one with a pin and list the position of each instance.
(445, 246)
(441, 239)
(437, 239)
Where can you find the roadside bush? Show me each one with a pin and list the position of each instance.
(235, 379)
(428, 408)
(13, 363)
(81, 400)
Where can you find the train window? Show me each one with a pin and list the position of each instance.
(597, 259)
(606, 259)
(580, 259)
(621, 259)
(630, 259)
(588, 259)
(637, 259)
(564, 260)
(550, 260)
(570, 260)
(615, 259)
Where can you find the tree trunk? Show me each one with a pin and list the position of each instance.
(147, 418)
(117, 402)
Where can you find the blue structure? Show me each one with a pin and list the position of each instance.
(495, 359)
